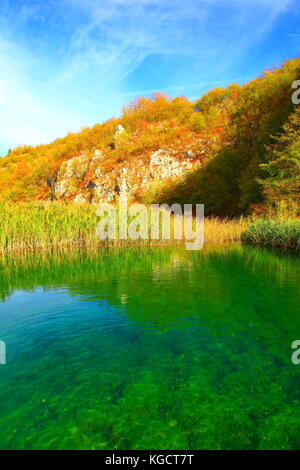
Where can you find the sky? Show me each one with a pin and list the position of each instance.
(67, 64)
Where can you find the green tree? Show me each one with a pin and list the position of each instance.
(282, 172)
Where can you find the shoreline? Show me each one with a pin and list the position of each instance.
(36, 227)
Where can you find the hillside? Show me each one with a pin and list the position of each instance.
(236, 149)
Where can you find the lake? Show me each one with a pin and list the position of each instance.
(150, 348)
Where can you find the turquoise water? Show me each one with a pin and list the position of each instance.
(150, 349)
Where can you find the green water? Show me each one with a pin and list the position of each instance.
(150, 349)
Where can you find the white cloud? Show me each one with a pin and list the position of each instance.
(119, 34)
(27, 115)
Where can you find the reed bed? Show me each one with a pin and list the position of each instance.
(279, 232)
(220, 231)
(55, 226)
(30, 226)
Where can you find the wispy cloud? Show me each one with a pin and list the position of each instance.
(118, 35)
(184, 88)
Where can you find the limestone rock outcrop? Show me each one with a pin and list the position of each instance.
(87, 178)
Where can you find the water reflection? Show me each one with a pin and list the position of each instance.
(195, 343)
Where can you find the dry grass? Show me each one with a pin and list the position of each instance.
(54, 226)
(220, 231)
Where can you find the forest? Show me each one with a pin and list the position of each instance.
(248, 139)
(253, 161)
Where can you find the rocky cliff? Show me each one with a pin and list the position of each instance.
(88, 178)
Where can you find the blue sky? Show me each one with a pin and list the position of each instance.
(65, 64)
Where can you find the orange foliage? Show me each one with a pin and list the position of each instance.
(219, 116)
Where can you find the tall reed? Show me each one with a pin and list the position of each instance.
(280, 232)
(54, 226)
